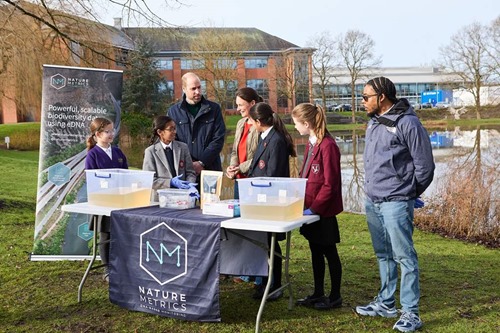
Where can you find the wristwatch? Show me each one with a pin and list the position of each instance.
(202, 164)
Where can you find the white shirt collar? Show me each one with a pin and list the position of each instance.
(107, 151)
(164, 145)
(313, 140)
(265, 133)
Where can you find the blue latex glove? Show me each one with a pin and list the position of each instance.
(308, 212)
(418, 203)
(179, 183)
(193, 192)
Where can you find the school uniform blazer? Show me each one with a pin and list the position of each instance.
(251, 145)
(324, 184)
(98, 159)
(271, 157)
(323, 192)
(156, 160)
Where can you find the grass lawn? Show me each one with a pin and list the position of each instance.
(459, 281)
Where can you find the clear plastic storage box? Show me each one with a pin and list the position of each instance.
(268, 198)
(121, 188)
(176, 198)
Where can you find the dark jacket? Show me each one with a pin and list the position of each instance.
(204, 134)
(271, 160)
(398, 155)
(271, 157)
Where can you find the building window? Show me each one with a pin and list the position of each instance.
(192, 63)
(121, 57)
(282, 101)
(163, 64)
(167, 88)
(256, 63)
(260, 86)
(76, 52)
(228, 89)
(227, 63)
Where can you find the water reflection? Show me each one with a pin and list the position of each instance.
(480, 146)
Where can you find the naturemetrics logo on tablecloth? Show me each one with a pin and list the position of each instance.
(163, 253)
(165, 262)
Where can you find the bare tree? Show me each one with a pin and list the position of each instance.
(63, 32)
(216, 52)
(466, 56)
(324, 59)
(356, 51)
(67, 19)
(133, 11)
(493, 49)
(292, 79)
(355, 194)
(25, 46)
(28, 42)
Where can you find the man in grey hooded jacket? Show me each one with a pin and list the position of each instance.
(399, 166)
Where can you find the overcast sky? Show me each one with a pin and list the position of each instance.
(406, 33)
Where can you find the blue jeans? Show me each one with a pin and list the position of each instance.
(391, 230)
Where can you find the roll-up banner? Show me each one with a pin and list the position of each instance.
(71, 98)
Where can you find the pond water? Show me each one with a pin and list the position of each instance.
(449, 148)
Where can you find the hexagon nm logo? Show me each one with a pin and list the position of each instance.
(58, 81)
(163, 253)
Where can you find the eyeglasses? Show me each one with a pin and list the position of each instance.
(171, 129)
(109, 132)
(365, 97)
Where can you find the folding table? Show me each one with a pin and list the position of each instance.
(273, 227)
(97, 212)
(231, 225)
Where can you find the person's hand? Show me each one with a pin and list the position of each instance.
(418, 203)
(179, 183)
(232, 171)
(198, 167)
(194, 193)
(308, 212)
(229, 173)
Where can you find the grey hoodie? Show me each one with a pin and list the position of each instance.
(398, 155)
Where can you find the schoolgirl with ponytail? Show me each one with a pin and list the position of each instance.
(271, 159)
(101, 155)
(323, 196)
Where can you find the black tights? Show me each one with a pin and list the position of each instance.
(318, 252)
(277, 266)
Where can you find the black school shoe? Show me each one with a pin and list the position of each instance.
(259, 292)
(327, 304)
(309, 300)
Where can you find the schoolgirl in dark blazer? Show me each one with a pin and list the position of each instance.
(271, 159)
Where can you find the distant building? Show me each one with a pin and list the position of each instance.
(487, 96)
(26, 45)
(278, 70)
(410, 82)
